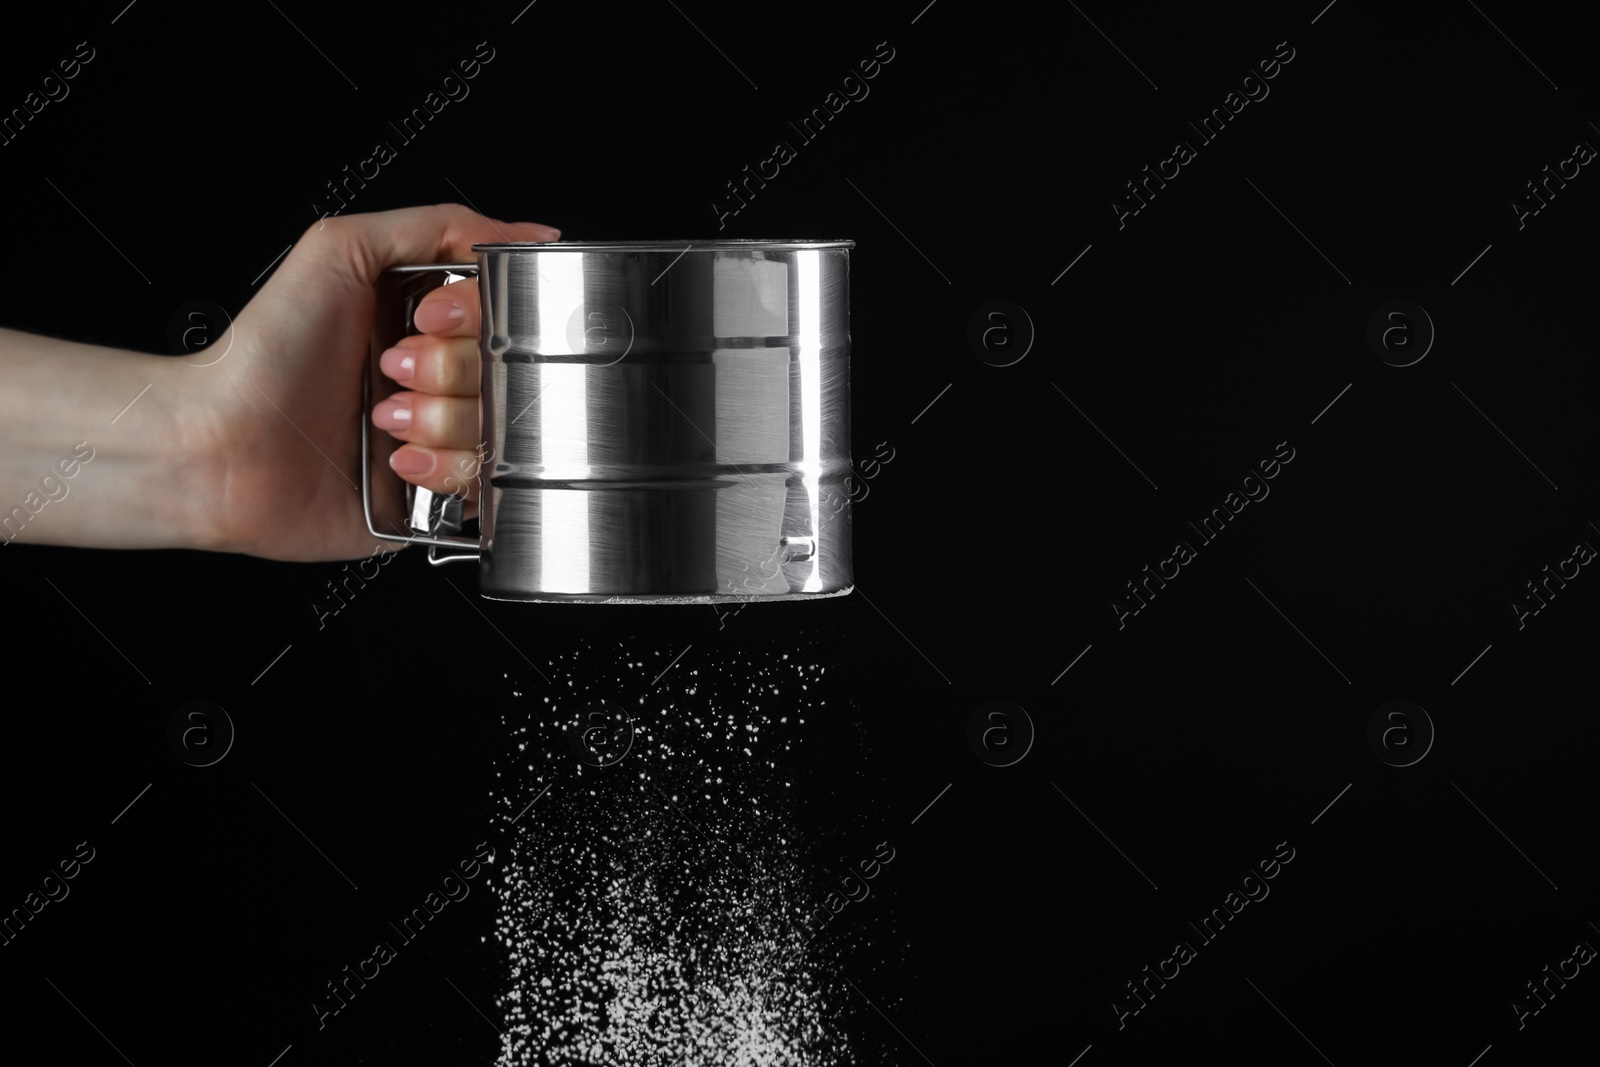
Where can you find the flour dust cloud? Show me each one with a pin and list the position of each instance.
(659, 904)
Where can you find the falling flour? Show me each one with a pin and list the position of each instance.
(653, 912)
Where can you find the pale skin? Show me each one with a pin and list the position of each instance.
(252, 445)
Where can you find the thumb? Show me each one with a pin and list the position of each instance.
(440, 233)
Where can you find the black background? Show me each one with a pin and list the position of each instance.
(1223, 719)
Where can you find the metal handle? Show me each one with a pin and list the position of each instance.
(429, 512)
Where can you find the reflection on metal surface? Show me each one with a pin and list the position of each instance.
(664, 420)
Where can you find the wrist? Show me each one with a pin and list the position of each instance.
(187, 454)
(160, 477)
(101, 448)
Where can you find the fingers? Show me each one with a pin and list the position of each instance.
(440, 233)
(440, 366)
(450, 310)
(437, 416)
(443, 360)
(433, 421)
(442, 470)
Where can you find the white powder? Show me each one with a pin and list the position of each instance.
(652, 911)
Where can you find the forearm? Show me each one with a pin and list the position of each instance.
(94, 448)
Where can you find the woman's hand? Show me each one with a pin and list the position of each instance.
(255, 446)
(279, 412)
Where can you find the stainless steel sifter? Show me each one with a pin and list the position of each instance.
(663, 421)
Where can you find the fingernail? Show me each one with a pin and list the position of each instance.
(555, 234)
(435, 315)
(392, 414)
(410, 461)
(398, 363)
